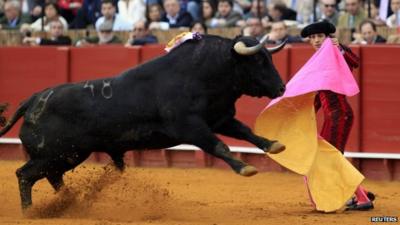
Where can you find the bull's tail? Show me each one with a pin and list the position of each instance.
(7, 125)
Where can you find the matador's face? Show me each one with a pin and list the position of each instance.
(316, 40)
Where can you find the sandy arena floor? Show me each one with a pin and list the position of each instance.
(155, 196)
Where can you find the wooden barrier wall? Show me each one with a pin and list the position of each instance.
(25, 70)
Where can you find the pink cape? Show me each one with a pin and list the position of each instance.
(325, 70)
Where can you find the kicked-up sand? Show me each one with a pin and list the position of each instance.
(98, 195)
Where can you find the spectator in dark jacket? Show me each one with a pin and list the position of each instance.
(141, 35)
(13, 17)
(88, 14)
(55, 33)
(225, 16)
(279, 12)
(254, 28)
(279, 33)
(368, 34)
(174, 16)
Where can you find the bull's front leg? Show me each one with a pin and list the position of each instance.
(196, 132)
(236, 129)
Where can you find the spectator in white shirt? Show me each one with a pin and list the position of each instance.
(108, 10)
(392, 21)
(132, 10)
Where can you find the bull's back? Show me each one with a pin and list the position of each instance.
(103, 107)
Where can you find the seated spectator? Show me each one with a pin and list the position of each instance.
(87, 15)
(105, 36)
(374, 13)
(109, 12)
(368, 34)
(257, 7)
(242, 6)
(35, 9)
(69, 8)
(329, 11)
(153, 15)
(51, 13)
(1, 8)
(174, 16)
(300, 12)
(279, 33)
(225, 16)
(193, 8)
(353, 16)
(208, 10)
(279, 12)
(392, 21)
(304, 11)
(141, 35)
(132, 10)
(254, 28)
(198, 27)
(56, 36)
(13, 17)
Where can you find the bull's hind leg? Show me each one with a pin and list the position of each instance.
(203, 138)
(27, 175)
(53, 169)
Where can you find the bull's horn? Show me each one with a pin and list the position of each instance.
(275, 49)
(242, 49)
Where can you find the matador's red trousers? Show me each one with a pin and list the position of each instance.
(338, 118)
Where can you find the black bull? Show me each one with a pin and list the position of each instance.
(186, 96)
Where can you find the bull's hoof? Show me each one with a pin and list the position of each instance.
(276, 148)
(27, 211)
(248, 171)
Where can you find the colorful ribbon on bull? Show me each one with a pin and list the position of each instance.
(181, 38)
(291, 119)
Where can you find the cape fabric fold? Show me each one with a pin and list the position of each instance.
(291, 119)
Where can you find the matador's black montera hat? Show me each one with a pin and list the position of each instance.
(318, 27)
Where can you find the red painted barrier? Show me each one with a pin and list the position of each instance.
(281, 62)
(24, 71)
(298, 56)
(353, 143)
(380, 109)
(98, 62)
(149, 52)
(381, 102)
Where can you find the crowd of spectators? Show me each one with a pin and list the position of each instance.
(141, 17)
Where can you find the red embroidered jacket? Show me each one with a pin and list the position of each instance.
(352, 59)
(338, 115)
